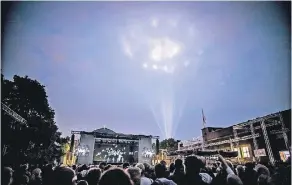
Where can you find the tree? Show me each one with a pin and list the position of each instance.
(169, 144)
(38, 142)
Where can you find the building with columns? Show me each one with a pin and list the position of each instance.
(265, 139)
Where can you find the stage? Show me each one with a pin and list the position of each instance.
(105, 145)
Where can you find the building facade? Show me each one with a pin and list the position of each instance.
(265, 139)
(195, 143)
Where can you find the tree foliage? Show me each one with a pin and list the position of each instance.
(169, 144)
(38, 142)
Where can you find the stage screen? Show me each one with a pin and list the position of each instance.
(116, 153)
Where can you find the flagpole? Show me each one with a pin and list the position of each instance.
(204, 126)
(204, 119)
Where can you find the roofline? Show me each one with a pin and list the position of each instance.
(115, 135)
(255, 120)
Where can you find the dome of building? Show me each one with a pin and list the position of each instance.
(104, 131)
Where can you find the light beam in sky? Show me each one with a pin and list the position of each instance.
(161, 47)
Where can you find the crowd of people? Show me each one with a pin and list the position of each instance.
(193, 170)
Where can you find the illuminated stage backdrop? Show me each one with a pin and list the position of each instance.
(116, 153)
(108, 146)
(145, 150)
(86, 149)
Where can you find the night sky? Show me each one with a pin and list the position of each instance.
(149, 67)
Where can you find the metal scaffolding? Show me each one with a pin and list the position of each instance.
(284, 130)
(13, 114)
(267, 141)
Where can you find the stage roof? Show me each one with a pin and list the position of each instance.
(108, 133)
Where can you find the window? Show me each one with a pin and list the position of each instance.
(245, 151)
(239, 154)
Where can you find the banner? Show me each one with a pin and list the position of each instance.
(260, 153)
(284, 155)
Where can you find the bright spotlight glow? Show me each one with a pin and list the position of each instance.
(163, 49)
(163, 46)
(156, 53)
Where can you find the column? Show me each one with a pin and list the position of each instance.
(235, 137)
(237, 142)
(255, 144)
(267, 141)
(231, 144)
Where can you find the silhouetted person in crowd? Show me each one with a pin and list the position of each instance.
(149, 171)
(115, 176)
(171, 168)
(24, 180)
(193, 166)
(126, 165)
(47, 174)
(233, 179)
(102, 166)
(6, 177)
(263, 180)
(178, 174)
(82, 168)
(64, 176)
(18, 174)
(262, 170)
(144, 180)
(160, 172)
(74, 167)
(93, 176)
(250, 176)
(135, 174)
(107, 167)
(82, 182)
(36, 177)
